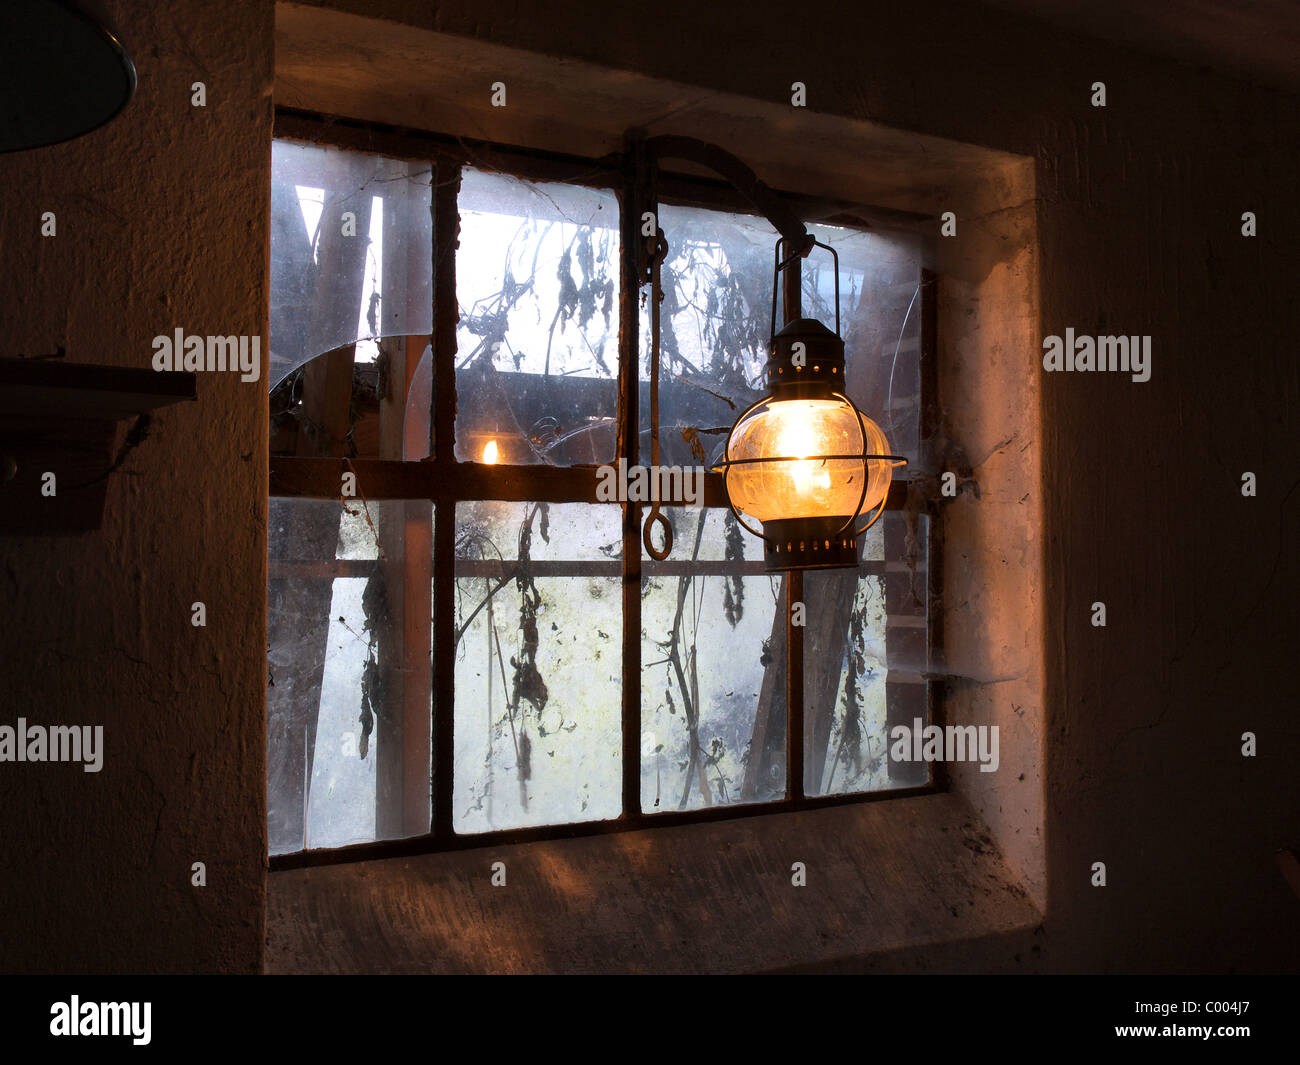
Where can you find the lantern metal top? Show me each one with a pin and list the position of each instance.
(806, 361)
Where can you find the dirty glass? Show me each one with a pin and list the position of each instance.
(865, 661)
(537, 278)
(713, 706)
(337, 405)
(348, 674)
(717, 319)
(351, 253)
(539, 674)
(880, 320)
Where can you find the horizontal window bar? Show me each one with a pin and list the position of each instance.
(322, 478)
(326, 569)
(321, 569)
(431, 844)
(540, 165)
(532, 163)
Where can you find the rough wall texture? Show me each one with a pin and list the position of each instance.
(161, 223)
(707, 898)
(1139, 226)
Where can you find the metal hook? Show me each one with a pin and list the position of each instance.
(656, 516)
(656, 296)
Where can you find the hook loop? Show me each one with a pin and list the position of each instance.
(659, 517)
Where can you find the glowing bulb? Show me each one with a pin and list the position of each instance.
(796, 475)
(795, 437)
(490, 453)
(797, 440)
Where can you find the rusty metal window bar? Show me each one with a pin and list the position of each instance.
(413, 534)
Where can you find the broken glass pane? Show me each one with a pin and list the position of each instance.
(865, 662)
(713, 706)
(351, 253)
(336, 405)
(349, 672)
(537, 343)
(539, 621)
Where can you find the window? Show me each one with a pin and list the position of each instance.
(465, 643)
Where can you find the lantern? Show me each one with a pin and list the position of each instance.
(805, 461)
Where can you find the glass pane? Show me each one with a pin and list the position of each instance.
(539, 675)
(880, 320)
(717, 319)
(351, 253)
(713, 706)
(336, 405)
(714, 327)
(865, 662)
(537, 343)
(349, 694)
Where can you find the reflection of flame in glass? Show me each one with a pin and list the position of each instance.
(490, 453)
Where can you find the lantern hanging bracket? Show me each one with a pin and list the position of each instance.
(644, 156)
(647, 154)
(802, 252)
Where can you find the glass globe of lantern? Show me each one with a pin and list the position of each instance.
(795, 477)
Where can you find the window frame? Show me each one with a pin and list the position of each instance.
(443, 481)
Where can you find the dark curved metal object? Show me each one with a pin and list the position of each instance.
(63, 72)
(745, 181)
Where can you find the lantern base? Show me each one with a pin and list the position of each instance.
(809, 543)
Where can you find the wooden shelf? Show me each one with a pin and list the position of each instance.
(67, 419)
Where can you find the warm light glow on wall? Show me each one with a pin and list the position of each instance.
(490, 453)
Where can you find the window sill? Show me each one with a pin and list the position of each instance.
(891, 886)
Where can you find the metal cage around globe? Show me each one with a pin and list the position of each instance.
(809, 468)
